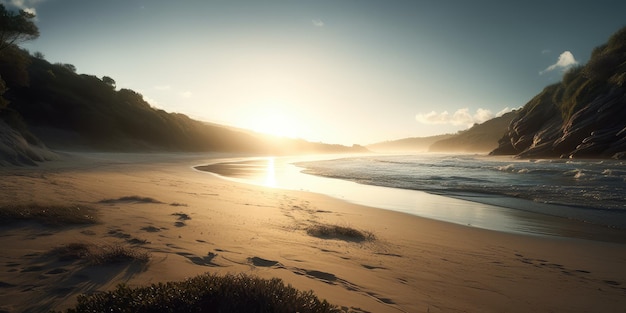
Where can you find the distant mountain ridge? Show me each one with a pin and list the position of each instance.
(480, 138)
(583, 116)
(411, 145)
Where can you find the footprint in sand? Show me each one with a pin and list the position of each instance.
(32, 269)
(151, 229)
(137, 241)
(56, 271)
(371, 267)
(383, 300)
(182, 216)
(256, 261)
(118, 233)
(612, 283)
(328, 277)
(204, 261)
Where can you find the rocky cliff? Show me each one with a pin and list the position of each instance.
(583, 116)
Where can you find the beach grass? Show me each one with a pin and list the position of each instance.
(101, 254)
(52, 215)
(347, 233)
(206, 293)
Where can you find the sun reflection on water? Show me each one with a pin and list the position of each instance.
(270, 173)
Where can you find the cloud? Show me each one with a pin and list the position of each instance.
(318, 23)
(504, 111)
(186, 94)
(565, 61)
(462, 117)
(26, 5)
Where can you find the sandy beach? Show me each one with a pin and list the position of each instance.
(192, 222)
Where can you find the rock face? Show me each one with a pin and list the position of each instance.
(584, 116)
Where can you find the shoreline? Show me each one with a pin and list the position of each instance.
(415, 264)
(485, 211)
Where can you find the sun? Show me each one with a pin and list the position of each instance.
(277, 123)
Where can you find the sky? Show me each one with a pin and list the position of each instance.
(342, 72)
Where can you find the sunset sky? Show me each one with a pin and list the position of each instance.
(334, 71)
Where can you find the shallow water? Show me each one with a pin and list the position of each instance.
(493, 193)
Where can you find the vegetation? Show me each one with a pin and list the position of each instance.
(479, 138)
(16, 27)
(339, 232)
(206, 293)
(581, 116)
(581, 84)
(69, 110)
(52, 104)
(101, 254)
(53, 215)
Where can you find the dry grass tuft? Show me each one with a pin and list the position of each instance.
(53, 215)
(131, 199)
(207, 293)
(339, 232)
(101, 254)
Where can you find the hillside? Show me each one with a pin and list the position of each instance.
(414, 144)
(51, 105)
(480, 138)
(583, 116)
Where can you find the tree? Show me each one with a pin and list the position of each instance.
(109, 81)
(3, 89)
(16, 27)
(67, 66)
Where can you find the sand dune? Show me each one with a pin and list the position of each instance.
(191, 222)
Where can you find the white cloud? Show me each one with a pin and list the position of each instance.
(186, 94)
(318, 23)
(26, 5)
(462, 117)
(504, 111)
(433, 118)
(565, 61)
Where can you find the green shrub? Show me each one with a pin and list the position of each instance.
(206, 293)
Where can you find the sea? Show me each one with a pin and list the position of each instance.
(555, 197)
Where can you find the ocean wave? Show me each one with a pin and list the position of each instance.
(592, 185)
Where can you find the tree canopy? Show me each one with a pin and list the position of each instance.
(16, 27)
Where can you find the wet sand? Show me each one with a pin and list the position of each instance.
(487, 211)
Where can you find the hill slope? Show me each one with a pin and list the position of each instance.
(50, 103)
(480, 138)
(414, 144)
(583, 116)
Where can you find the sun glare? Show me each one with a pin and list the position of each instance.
(277, 124)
